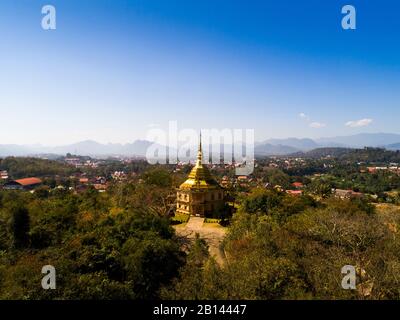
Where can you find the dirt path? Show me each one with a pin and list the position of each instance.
(213, 233)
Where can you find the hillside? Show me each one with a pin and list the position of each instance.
(368, 155)
(33, 167)
(324, 152)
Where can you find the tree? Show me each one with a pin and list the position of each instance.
(158, 177)
(261, 200)
(20, 225)
(320, 188)
(276, 177)
(190, 283)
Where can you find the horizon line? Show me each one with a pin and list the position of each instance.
(145, 140)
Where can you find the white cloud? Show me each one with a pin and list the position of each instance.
(317, 125)
(311, 123)
(359, 123)
(303, 116)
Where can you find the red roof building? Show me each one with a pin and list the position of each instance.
(29, 181)
(22, 184)
(294, 192)
(347, 194)
(297, 184)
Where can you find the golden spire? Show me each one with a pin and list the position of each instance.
(200, 177)
(199, 153)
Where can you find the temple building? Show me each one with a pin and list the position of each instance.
(200, 195)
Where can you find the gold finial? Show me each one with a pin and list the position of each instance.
(200, 152)
(200, 149)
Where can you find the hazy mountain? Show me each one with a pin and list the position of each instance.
(360, 140)
(15, 150)
(85, 148)
(393, 147)
(268, 149)
(301, 144)
(336, 144)
(137, 148)
(323, 152)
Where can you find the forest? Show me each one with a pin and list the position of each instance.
(121, 244)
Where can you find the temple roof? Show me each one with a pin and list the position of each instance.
(200, 177)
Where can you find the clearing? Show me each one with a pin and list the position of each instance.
(212, 233)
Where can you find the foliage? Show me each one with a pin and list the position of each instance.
(120, 244)
(275, 203)
(300, 258)
(158, 177)
(33, 167)
(99, 252)
(20, 225)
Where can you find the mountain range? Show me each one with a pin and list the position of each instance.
(389, 141)
(84, 148)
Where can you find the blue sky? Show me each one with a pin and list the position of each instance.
(113, 69)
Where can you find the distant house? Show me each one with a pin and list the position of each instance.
(347, 194)
(121, 175)
(84, 180)
(100, 187)
(73, 161)
(371, 169)
(12, 185)
(375, 169)
(294, 192)
(22, 184)
(357, 194)
(297, 185)
(3, 175)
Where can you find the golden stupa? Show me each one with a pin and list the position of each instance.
(200, 194)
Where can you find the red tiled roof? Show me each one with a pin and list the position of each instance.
(28, 181)
(297, 184)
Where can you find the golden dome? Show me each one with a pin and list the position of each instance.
(200, 177)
